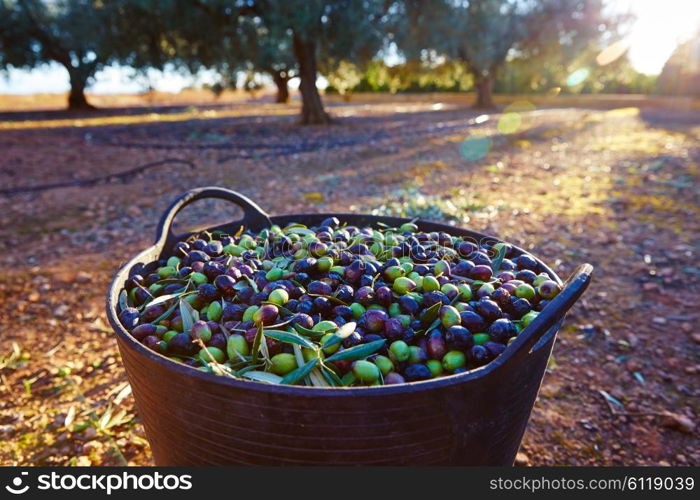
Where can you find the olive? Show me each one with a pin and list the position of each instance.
(344, 293)
(279, 297)
(454, 360)
(417, 371)
(210, 354)
(201, 331)
(488, 309)
(472, 321)
(354, 271)
(403, 285)
(519, 307)
(416, 355)
(283, 363)
(357, 310)
(526, 262)
(442, 267)
(436, 345)
(399, 350)
(465, 248)
(375, 320)
(481, 338)
(365, 295)
(352, 340)
(408, 304)
(182, 344)
(494, 348)
(383, 363)
(527, 319)
(430, 284)
(458, 337)
(365, 371)
(480, 272)
(332, 348)
(319, 288)
(449, 316)
(384, 296)
(526, 276)
(479, 355)
(432, 298)
(143, 330)
(207, 292)
(393, 378)
(393, 329)
(548, 289)
(525, 291)
(129, 317)
(265, 315)
(435, 367)
(501, 330)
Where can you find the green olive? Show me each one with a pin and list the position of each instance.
(214, 311)
(384, 364)
(198, 278)
(279, 297)
(449, 316)
(236, 344)
(324, 326)
(249, 312)
(324, 264)
(167, 271)
(366, 371)
(357, 310)
(330, 349)
(453, 360)
(430, 284)
(283, 363)
(210, 354)
(465, 292)
(525, 291)
(527, 319)
(399, 350)
(403, 285)
(274, 274)
(480, 338)
(435, 367)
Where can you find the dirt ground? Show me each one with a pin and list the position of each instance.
(612, 183)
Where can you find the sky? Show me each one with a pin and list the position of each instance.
(659, 26)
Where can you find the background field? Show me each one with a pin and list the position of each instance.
(607, 180)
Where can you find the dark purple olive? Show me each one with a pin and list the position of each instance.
(494, 349)
(416, 371)
(345, 293)
(472, 321)
(384, 296)
(480, 258)
(144, 330)
(343, 312)
(488, 309)
(393, 329)
(225, 284)
(129, 317)
(233, 312)
(519, 307)
(266, 315)
(393, 378)
(436, 345)
(365, 295)
(319, 288)
(465, 248)
(182, 345)
(258, 298)
(234, 272)
(501, 330)
(197, 256)
(526, 276)
(330, 222)
(458, 337)
(214, 248)
(152, 313)
(375, 319)
(480, 272)
(408, 304)
(218, 340)
(479, 355)
(207, 292)
(354, 271)
(432, 298)
(408, 335)
(501, 297)
(322, 306)
(180, 249)
(213, 269)
(151, 341)
(352, 340)
(305, 265)
(305, 307)
(303, 320)
(526, 262)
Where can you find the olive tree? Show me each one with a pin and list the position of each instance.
(73, 33)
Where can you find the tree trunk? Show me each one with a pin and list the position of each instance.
(76, 98)
(484, 93)
(312, 112)
(280, 78)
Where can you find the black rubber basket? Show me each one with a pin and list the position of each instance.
(196, 418)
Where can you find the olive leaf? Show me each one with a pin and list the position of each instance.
(259, 376)
(496, 263)
(300, 230)
(432, 326)
(123, 300)
(331, 376)
(317, 379)
(289, 338)
(249, 368)
(189, 315)
(358, 352)
(342, 333)
(299, 356)
(255, 351)
(309, 333)
(251, 283)
(431, 313)
(295, 376)
(165, 314)
(165, 298)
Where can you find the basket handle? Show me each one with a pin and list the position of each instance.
(573, 289)
(253, 216)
